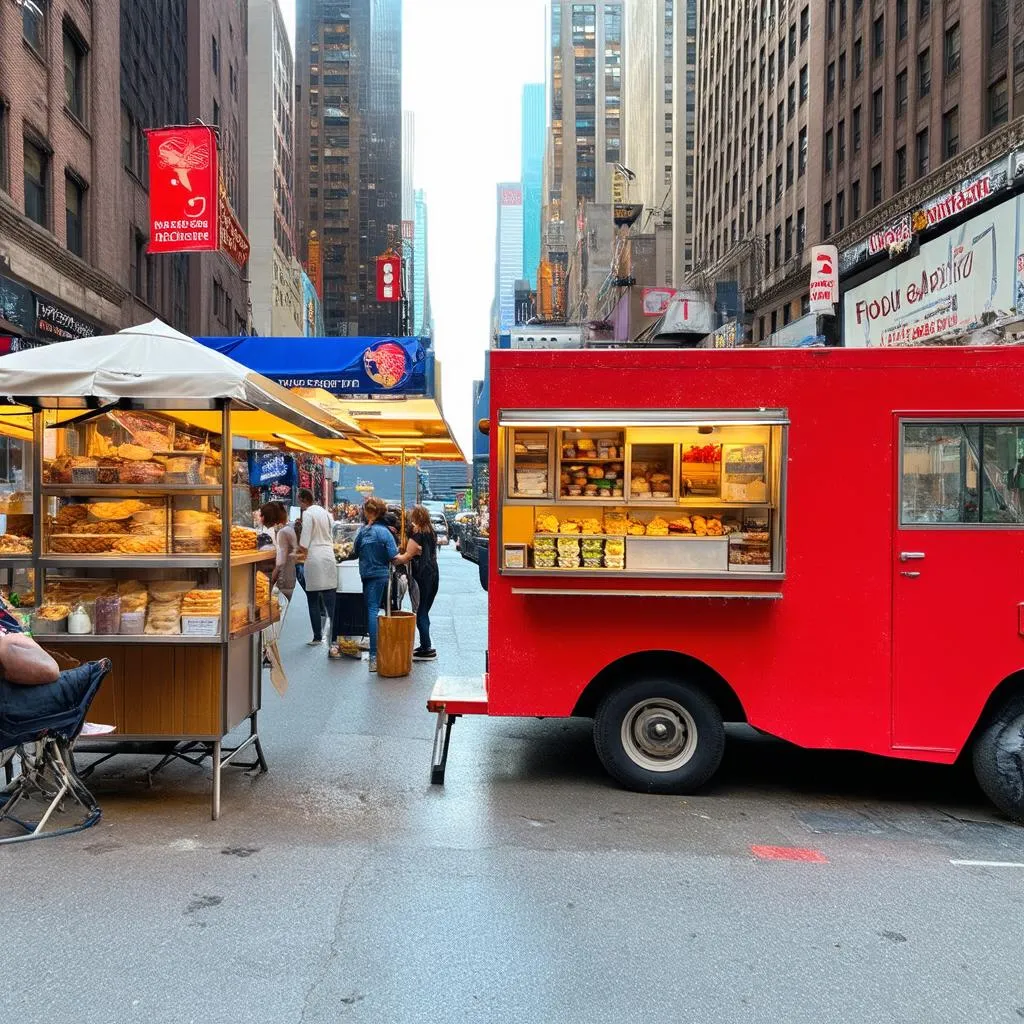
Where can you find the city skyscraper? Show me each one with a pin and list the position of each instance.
(349, 166)
(408, 164)
(274, 273)
(534, 124)
(508, 261)
(422, 320)
(584, 99)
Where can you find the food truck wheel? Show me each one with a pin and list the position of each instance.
(659, 736)
(998, 756)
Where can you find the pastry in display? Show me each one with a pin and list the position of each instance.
(53, 612)
(141, 473)
(585, 446)
(11, 545)
(111, 510)
(657, 527)
(590, 491)
(640, 487)
(201, 602)
(108, 471)
(68, 515)
(134, 453)
(137, 545)
(570, 526)
(82, 544)
(546, 524)
(243, 538)
(700, 526)
(681, 525)
(168, 591)
(96, 528)
(592, 526)
(146, 431)
(134, 596)
(239, 616)
(715, 527)
(595, 473)
(636, 528)
(163, 617)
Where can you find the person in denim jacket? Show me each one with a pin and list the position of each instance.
(375, 545)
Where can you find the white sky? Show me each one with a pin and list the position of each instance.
(464, 65)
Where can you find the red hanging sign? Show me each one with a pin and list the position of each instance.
(183, 189)
(389, 278)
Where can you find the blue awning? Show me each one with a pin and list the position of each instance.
(347, 367)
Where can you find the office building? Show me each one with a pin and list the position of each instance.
(534, 124)
(508, 261)
(274, 272)
(349, 167)
(422, 320)
(584, 101)
(408, 164)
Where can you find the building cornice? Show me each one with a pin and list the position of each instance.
(18, 228)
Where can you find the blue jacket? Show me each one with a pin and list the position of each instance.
(375, 547)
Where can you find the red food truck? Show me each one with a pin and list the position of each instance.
(826, 544)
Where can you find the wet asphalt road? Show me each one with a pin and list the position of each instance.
(342, 886)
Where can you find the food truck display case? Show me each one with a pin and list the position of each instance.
(772, 537)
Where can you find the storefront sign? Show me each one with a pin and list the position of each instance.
(896, 236)
(389, 278)
(656, 300)
(12, 343)
(824, 286)
(58, 324)
(627, 214)
(183, 189)
(269, 467)
(232, 238)
(959, 281)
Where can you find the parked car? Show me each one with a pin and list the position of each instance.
(440, 525)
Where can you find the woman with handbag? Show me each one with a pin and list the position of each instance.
(376, 549)
(421, 555)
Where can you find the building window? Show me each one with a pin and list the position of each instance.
(953, 49)
(778, 247)
(770, 134)
(830, 82)
(792, 99)
(33, 26)
(924, 72)
(924, 8)
(828, 151)
(778, 182)
(216, 113)
(877, 112)
(858, 57)
(215, 55)
(901, 94)
(855, 201)
(826, 219)
(876, 184)
(951, 133)
(856, 129)
(998, 103)
(792, 43)
(780, 123)
(804, 84)
(831, 18)
(900, 169)
(902, 19)
(789, 165)
(842, 72)
(74, 74)
(74, 215)
(802, 154)
(841, 143)
(878, 37)
(36, 171)
(840, 211)
(805, 24)
(801, 229)
(999, 21)
(923, 153)
(789, 238)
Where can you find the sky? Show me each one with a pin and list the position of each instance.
(464, 65)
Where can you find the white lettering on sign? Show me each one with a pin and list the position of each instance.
(389, 280)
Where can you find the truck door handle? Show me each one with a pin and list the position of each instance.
(911, 556)
(910, 575)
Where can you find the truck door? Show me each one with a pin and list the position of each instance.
(958, 566)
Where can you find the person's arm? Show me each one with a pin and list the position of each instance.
(412, 549)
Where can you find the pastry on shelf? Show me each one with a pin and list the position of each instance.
(546, 523)
(657, 527)
(115, 510)
(680, 525)
(592, 526)
(700, 526)
(137, 545)
(569, 526)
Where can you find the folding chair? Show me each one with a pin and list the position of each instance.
(38, 725)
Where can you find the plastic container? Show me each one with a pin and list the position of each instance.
(108, 615)
(133, 623)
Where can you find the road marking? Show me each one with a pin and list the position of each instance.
(987, 863)
(789, 853)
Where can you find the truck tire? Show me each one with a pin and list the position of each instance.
(998, 756)
(659, 736)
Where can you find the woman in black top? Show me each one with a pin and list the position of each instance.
(421, 555)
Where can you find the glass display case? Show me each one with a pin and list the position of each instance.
(530, 463)
(691, 499)
(16, 478)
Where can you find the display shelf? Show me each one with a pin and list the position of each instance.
(119, 561)
(722, 503)
(16, 561)
(583, 536)
(251, 628)
(677, 536)
(124, 638)
(641, 574)
(129, 490)
(582, 459)
(247, 557)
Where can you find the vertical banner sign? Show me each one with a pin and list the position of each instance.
(824, 288)
(389, 278)
(183, 189)
(315, 265)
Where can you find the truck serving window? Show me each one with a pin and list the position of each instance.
(962, 473)
(642, 493)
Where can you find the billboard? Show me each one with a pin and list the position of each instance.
(314, 264)
(656, 300)
(824, 287)
(389, 278)
(184, 213)
(962, 280)
(312, 310)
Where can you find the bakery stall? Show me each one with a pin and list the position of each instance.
(689, 495)
(138, 536)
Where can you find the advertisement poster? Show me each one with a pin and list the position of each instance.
(183, 189)
(389, 278)
(656, 300)
(312, 310)
(269, 467)
(966, 278)
(824, 287)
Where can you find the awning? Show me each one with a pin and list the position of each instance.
(346, 378)
(155, 364)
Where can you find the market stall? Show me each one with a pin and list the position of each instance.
(127, 529)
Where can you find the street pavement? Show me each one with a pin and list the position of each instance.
(341, 886)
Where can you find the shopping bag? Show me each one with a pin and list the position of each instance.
(396, 636)
(278, 676)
